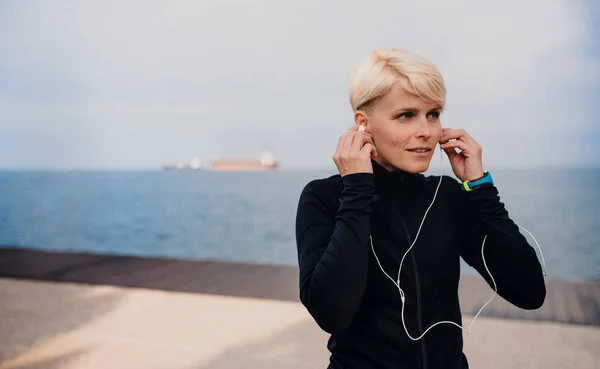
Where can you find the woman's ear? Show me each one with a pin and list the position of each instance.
(360, 118)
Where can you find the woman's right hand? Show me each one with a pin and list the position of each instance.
(354, 152)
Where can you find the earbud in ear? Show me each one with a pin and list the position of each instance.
(361, 128)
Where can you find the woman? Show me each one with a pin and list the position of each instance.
(379, 261)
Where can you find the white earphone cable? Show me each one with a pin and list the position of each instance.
(397, 281)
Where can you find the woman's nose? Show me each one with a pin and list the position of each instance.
(424, 128)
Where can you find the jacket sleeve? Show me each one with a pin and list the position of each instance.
(511, 260)
(333, 251)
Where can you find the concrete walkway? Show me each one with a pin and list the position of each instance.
(63, 325)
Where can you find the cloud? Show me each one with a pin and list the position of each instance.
(519, 74)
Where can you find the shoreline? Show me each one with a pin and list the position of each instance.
(566, 302)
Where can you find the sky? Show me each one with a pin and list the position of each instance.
(135, 84)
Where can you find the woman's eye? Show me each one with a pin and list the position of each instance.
(405, 116)
(434, 114)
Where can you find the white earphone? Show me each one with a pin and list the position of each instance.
(397, 281)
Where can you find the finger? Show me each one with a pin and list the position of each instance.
(341, 141)
(368, 140)
(447, 135)
(340, 144)
(454, 134)
(338, 150)
(451, 133)
(373, 152)
(456, 144)
(360, 139)
(458, 134)
(451, 153)
(347, 138)
(473, 147)
(369, 149)
(347, 144)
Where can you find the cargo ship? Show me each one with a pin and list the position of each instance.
(266, 161)
(194, 164)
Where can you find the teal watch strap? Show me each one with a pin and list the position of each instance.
(471, 185)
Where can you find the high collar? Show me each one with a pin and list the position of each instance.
(386, 179)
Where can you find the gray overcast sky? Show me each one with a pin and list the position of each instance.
(134, 84)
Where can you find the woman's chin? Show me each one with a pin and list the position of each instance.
(416, 166)
(408, 164)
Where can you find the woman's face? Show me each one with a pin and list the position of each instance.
(405, 129)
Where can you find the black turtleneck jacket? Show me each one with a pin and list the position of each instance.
(347, 294)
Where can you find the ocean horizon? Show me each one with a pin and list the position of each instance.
(249, 216)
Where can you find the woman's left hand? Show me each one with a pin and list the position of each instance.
(467, 165)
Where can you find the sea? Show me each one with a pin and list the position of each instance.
(249, 216)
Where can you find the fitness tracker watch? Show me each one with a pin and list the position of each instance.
(471, 185)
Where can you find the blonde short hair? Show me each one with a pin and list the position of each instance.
(373, 77)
